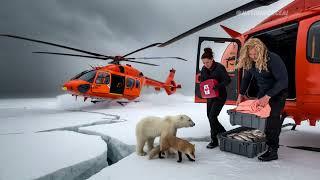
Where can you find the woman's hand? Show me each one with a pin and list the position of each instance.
(240, 99)
(263, 101)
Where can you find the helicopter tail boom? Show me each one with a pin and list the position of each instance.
(169, 85)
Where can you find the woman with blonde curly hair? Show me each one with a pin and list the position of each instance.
(271, 76)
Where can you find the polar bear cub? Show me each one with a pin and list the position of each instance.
(148, 128)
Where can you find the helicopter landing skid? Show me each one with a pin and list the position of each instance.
(283, 116)
(97, 101)
(290, 124)
(123, 103)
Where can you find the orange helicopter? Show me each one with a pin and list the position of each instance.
(113, 81)
(293, 32)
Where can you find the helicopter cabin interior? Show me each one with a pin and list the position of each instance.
(117, 84)
(282, 41)
(103, 78)
(120, 83)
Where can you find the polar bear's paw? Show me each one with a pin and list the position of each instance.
(142, 153)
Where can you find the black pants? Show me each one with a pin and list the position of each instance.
(274, 122)
(214, 107)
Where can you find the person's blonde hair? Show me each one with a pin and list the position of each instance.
(262, 58)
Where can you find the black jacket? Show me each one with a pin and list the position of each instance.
(219, 73)
(269, 82)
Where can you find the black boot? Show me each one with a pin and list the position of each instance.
(269, 155)
(214, 143)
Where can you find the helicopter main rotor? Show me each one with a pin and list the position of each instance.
(93, 55)
(234, 12)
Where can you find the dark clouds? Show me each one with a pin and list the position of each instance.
(105, 26)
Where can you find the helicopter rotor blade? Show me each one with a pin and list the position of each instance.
(149, 46)
(141, 62)
(93, 57)
(246, 7)
(159, 58)
(76, 55)
(52, 44)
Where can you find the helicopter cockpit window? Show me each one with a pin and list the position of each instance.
(79, 75)
(107, 80)
(313, 51)
(103, 78)
(137, 84)
(130, 83)
(88, 76)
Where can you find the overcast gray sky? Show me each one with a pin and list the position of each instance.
(109, 27)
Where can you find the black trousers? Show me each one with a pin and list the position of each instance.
(214, 107)
(274, 122)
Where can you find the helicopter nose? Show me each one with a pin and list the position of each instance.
(76, 86)
(67, 86)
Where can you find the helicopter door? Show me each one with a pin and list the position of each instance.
(117, 84)
(308, 61)
(226, 52)
(101, 83)
(130, 89)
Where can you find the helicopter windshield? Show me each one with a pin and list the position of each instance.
(86, 76)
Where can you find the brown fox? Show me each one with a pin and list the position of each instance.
(179, 145)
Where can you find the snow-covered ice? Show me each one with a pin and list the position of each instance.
(21, 118)
(214, 164)
(31, 115)
(31, 155)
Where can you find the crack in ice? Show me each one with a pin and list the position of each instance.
(113, 119)
(116, 150)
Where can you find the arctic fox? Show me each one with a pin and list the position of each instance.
(179, 145)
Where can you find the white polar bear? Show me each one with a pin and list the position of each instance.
(151, 127)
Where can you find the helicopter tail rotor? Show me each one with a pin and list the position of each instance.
(170, 85)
